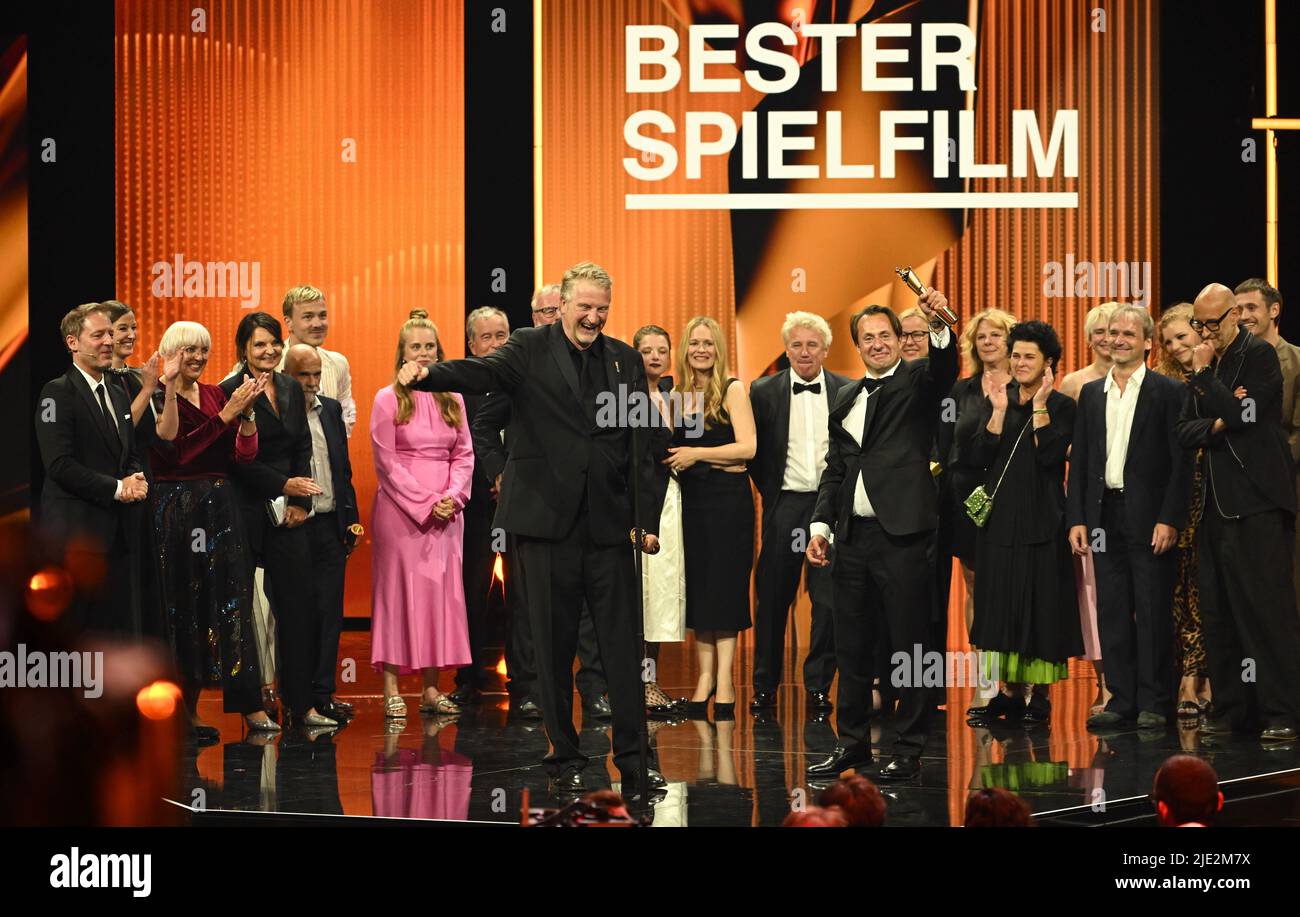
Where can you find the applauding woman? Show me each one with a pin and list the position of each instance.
(205, 567)
(275, 496)
(1026, 608)
(710, 449)
(424, 460)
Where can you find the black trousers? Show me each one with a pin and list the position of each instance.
(1248, 618)
(329, 563)
(286, 559)
(1135, 593)
(476, 573)
(521, 653)
(776, 581)
(882, 593)
(558, 576)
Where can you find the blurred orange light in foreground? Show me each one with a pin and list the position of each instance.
(499, 570)
(158, 700)
(48, 593)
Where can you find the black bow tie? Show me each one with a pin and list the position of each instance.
(814, 387)
(869, 384)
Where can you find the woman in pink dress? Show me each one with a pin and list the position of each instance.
(424, 461)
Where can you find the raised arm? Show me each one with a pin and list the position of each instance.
(502, 370)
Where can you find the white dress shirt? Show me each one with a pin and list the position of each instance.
(809, 436)
(108, 399)
(321, 473)
(853, 423)
(1120, 408)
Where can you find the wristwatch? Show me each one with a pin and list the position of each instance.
(251, 416)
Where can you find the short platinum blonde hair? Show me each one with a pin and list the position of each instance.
(302, 293)
(546, 290)
(483, 312)
(180, 335)
(1097, 315)
(584, 272)
(810, 320)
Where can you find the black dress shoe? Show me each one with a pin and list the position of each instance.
(568, 782)
(527, 707)
(841, 759)
(762, 700)
(334, 712)
(655, 780)
(343, 707)
(902, 767)
(1037, 711)
(1278, 734)
(820, 700)
(1216, 727)
(999, 705)
(465, 694)
(598, 707)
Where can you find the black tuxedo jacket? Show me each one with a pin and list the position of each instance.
(1157, 469)
(283, 452)
(336, 441)
(559, 458)
(82, 464)
(770, 397)
(1250, 461)
(894, 459)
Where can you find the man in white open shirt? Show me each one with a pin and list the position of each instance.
(878, 499)
(306, 321)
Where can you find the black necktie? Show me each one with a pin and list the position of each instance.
(110, 425)
(814, 387)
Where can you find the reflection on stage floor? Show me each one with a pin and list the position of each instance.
(475, 767)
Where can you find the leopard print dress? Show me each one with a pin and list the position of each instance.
(1189, 648)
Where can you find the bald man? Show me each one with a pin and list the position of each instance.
(330, 533)
(1244, 544)
(1186, 793)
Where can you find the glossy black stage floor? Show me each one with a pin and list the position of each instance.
(473, 769)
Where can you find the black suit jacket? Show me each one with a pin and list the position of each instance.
(1157, 469)
(770, 397)
(336, 442)
(1250, 461)
(82, 465)
(558, 457)
(283, 452)
(894, 459)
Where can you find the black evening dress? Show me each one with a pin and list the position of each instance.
(1026, 606)
(717, 534)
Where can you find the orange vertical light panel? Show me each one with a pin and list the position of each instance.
(318, 143)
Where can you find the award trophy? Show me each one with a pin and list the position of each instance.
(946, 315)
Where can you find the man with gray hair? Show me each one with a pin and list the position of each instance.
(1127, 499)
(791, 408)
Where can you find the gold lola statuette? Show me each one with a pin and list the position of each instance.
(946, 315)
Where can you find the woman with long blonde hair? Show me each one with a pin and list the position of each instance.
(424, 461)
(710, 449)
(1177, 340)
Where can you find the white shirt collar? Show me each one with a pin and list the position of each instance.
(1135, 380)
(887, 373)
(819, 379)
(90, 380)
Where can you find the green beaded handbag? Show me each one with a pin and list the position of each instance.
(980, 502)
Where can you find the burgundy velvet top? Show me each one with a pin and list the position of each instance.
(204, 446)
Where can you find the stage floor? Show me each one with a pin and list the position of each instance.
(474, 768)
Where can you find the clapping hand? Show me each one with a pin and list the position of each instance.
(242, 397)
(1044, 390)
(149, 372)
(997, 391)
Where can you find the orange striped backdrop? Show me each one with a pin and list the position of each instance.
(233, 136)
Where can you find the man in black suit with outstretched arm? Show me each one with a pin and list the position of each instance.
(877, 501)
(565, 496)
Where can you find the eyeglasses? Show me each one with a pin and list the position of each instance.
(914, 336)
(1213, 324)
(547, 311)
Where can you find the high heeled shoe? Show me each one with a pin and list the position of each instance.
(724, 712)
(267, 725)
(699, 709)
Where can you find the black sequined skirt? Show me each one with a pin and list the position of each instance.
(205, 575)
